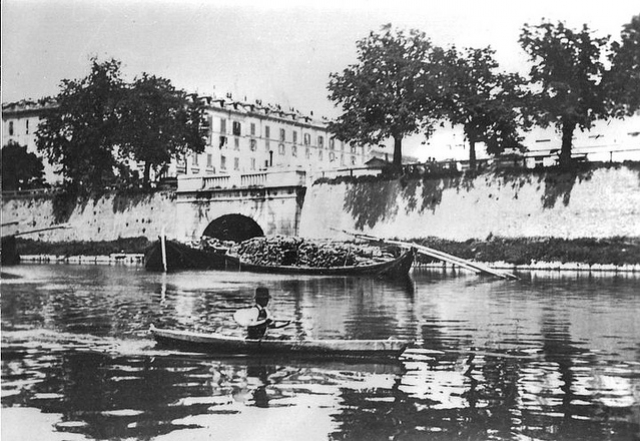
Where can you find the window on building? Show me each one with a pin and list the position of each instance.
(236, 164)
(223, 162)
(283, 135)
(27, 127)
(294, 151)
(194, 160)
(321, 142)
(307, 139)
(353, 160)
(253, 129)
(209, 160)
(307, 153)
(353, 149)
(281, 149)
(253, 163)
(10, 128)
(209, 128)
(253, 144)
(295, 137)
(332, 143)
(267, 132)
(236, 143)
(342, 146)
(320, 155)
(332, 156)
(223, 126)
(236, 128)
(341, 159)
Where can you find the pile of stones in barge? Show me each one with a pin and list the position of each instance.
(296, 251)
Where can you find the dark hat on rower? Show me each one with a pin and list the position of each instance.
(262, 293)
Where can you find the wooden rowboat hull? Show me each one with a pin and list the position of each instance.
(218, 343)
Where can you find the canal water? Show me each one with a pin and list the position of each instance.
(550, 357)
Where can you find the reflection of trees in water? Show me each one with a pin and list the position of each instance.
(490, 412)
(351, 307)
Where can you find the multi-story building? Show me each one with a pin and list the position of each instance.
(242, 137)
(19, 124)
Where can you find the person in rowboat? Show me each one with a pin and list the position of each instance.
(263, 321)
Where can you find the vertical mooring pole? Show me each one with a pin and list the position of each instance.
(164, 250)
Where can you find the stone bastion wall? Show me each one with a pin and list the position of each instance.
(603, 202)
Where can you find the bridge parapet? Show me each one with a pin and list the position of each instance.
(280, 178)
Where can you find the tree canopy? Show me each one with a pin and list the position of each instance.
(623, 79)
(482, 100)
(81, 132)
(100, 122)
(20, 170)
(389, 92)
(159, 122)
(567, 72)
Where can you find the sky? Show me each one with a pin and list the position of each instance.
(279, 51)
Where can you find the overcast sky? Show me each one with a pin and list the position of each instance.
(281, 53)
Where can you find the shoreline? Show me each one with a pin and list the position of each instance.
(617, 254)
(137, 259)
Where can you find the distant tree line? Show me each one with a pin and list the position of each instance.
(101, 123)
(404, 85)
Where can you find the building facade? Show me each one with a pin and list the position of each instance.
(19, 124)
(243, 137)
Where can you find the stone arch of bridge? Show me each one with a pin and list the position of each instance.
(235, 227)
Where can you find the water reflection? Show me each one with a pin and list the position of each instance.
(545, 358)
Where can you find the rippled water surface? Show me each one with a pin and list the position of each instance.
(549, 357)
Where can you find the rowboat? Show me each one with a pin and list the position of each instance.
(394, 268)
(219, 343)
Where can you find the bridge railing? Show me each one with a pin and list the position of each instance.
(276, 178)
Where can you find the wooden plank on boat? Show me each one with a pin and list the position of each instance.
(476, 267)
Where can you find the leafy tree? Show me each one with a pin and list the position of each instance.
(623, 79)
(485, 102)
(159, 122)
(81, 132)
(388, 94)
(567, 74)
(101, 122)
(20, 170)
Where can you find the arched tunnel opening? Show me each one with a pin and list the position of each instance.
(235, 227)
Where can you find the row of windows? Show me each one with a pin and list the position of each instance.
(253, 145)
(236, 130)
(12, 129)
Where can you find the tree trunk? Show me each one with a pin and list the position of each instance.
(472, 154)
(397, 152)
(147, 174)
(565, 151)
